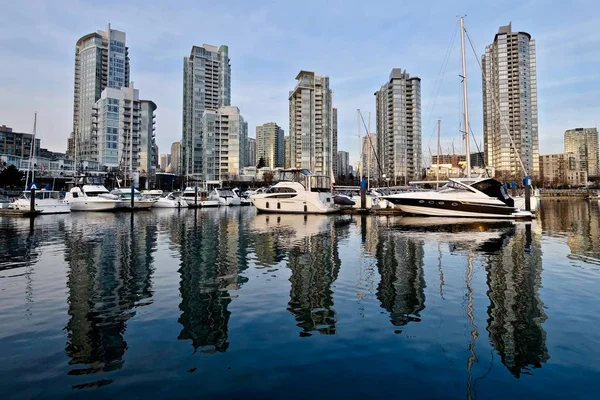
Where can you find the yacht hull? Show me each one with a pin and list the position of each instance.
(94, 205)
(137, 204)
(273, 204)
(44, 208)
(437, 208)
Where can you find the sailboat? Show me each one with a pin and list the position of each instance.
(462, 197)
(46, 201)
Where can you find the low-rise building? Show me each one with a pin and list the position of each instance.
(562, 169)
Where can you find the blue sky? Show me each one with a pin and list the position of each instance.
(355, 43)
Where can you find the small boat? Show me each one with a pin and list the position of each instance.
(483, 198)
(203, 199)
(171, 200)
(244, 200)
(298, 191)
(226, 197)
(139, 202)
(46, 202)
(4, 202)
(91, 198)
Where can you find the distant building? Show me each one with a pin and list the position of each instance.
(175, 165)
(269, 144)
(225, 135)
(584, 143)
(206, 86)
(453, 160)
(147, 159)
(15, 143)
(343, 163)
(51, 155)
(562, 169)
(334, 141)
(251, 150)
(510, 103)
(478, 159)
(369, 156)
(287, 157)
(164, 161)
(398, 111)
(311, 124)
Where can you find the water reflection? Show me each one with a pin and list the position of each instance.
(580, 221)
(213, 254)
(516, 312)
(110, 272)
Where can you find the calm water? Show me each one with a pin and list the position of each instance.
(229, 304)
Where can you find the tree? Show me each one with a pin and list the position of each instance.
(261, 163)
(11, 177)
(268, 177)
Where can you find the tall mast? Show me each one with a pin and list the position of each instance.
(437, 170)
(465, 99)
(31, 153)
(131, 151)
(369, 154)
(359, 165)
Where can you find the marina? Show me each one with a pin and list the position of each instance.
(228, 302)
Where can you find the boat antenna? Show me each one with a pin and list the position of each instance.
(465, 99)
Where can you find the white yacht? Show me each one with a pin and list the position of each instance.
(298, 191)
(483, 198)
(91, 198)
(139, 202)
(46, 202)
(171, 200)
(226, 197)
(244, 200)
(204, 199)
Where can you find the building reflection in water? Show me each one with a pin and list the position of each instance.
(401, 289)
(580, 220)
(311, 243)
(516, 312)
(110, 274)
(213, 254)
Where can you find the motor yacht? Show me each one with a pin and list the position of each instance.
(483, 198)
(204, 199)
(171, 200)
(226, 197)
(244, 200)
(46, 202)
(91, 198)
(139, 202)
(298, 191)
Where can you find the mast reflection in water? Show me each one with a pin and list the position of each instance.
(110, 273)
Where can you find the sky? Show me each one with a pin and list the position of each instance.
(355, 43)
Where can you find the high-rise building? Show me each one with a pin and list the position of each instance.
(343, 163)
(117, 129)
(101, 61)
(147, 143)
(398, 110)
(225, 135)
(206, 86)
(369, 156)
(334, 142)
(584, 143)
(165, 160)
(269, 144)
(510, 114)
(287, 157)
(311, 124)
(175, 165)
(251, 160)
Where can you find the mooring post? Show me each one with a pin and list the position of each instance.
(132, 196)
(527, 185)
(363, 193)
(195, 196)
(32, 200)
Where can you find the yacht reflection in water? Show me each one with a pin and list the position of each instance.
(110, 274)
(213, 254)
(511, 255)
(311, 244)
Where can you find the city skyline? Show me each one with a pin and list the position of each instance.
(265, 59)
